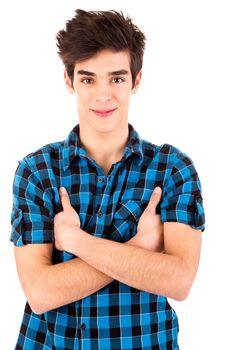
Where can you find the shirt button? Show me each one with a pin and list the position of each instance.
(99, 214)
(83, 326)
(100, 179)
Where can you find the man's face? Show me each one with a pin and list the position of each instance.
(101, 84)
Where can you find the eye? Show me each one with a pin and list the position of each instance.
(87, 81)
(118, 78)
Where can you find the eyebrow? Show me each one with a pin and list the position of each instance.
(117, 72)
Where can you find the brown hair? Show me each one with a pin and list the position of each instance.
(89, 32)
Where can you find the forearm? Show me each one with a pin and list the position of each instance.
(146, 270)
(66, 282)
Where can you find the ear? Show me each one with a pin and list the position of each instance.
(137, 82)
(68, 82)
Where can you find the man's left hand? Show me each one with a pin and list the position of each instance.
(66, 224)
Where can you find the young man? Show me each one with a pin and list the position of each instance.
(98, 261)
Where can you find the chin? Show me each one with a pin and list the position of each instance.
(106, 126)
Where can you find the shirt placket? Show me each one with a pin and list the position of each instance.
(83, 307)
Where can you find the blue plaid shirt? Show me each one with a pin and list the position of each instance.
(117, 316)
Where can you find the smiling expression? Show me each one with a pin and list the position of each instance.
(103, 87)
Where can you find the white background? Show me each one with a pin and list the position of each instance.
(185, 99)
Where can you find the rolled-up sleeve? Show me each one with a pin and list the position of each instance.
(31, 216)
(182, 199)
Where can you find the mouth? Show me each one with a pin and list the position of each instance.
(103, 113)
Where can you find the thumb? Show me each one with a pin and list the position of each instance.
(155, 198)
(65, 200)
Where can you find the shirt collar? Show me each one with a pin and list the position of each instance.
(73, 148)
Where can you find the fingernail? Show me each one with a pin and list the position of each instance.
(62, 190)
(157, 190)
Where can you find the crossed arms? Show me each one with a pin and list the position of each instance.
(100, 261)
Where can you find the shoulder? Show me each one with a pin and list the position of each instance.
(166, 153)
(164, 148)
(44, 157)
(40, 167)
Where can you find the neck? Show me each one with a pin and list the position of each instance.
(104, 147)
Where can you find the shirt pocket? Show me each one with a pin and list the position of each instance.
(125, 220)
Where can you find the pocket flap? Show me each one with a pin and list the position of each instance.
(127, 209)
(125, 219)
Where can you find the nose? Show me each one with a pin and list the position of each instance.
(103, 93)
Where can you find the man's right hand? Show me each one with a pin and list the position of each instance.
(150, 228)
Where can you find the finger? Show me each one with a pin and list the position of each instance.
(155, 198)
(65, 200)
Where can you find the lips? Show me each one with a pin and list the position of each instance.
(103, 112)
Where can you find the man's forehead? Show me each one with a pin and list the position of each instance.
(105, 62)
(89, 73)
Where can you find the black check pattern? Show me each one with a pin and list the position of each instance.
(109, 206)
